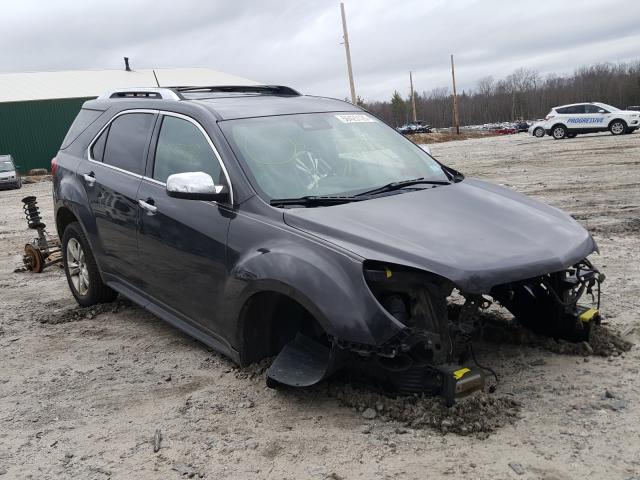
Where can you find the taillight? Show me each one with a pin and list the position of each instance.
(54, 166)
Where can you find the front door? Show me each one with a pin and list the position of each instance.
(182, 243)
(111, 180)
(596, 117)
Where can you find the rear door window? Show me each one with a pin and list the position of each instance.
(127, 141)
(97, 149)
(574, 109)
(183, 148)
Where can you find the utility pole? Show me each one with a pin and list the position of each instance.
(354, 99)
(456, 119)
(413, 98)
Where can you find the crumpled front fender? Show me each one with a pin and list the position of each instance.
(328, 283)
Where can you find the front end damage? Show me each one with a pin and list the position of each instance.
(433, 354)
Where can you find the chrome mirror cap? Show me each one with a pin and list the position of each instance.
(195, 186)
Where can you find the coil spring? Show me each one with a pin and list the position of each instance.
(32, 212)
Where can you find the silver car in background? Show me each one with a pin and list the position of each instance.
(9, 176)
(537, 129)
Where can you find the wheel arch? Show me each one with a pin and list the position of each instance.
(271, 317)
(331, 288)
(64, 216)
(618, 119)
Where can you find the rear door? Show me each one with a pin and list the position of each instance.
(576, 118)
(183, 242)
(111, 179)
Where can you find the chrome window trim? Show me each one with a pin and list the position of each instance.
(104, 127)
(164, 113)
(211, 145)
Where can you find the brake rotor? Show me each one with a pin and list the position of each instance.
(33, 258)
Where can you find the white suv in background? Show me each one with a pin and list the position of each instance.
(569, 120)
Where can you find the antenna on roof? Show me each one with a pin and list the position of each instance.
(126, 64)
(156, 77)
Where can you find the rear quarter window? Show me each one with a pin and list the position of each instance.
(85, 118)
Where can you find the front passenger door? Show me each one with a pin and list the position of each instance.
(596, 116)
(182, 243)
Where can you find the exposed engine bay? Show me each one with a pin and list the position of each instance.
(434, 352)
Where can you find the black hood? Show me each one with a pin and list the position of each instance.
(474, 233)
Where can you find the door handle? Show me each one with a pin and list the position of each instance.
(89, 178)
(148, 206)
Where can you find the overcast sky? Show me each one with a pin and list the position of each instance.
(298, 42)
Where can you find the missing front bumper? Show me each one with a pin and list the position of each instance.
(304, 362)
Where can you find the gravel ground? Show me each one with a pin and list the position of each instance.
(83, 392)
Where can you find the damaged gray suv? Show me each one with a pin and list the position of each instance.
(266, 223)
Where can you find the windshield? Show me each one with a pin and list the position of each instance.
(6, 165)
(607, 107)
(291, 156)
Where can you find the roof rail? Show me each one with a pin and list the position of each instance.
(266, 89)
(143, 92)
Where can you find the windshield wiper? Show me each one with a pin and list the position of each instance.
(390, 187)
(312, 201)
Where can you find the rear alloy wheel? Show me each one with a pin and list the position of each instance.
(618, 127)
(559, 132)
(81, 270)
(77, 267)
(538, 132)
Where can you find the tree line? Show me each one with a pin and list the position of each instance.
(525, 94)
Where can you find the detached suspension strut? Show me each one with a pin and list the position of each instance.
(43, 250)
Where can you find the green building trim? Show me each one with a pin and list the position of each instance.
(32, 131)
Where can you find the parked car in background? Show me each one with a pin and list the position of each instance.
(505, 130)
(537, 129)
(414, 127)
(521, 126)
(9, 176)
(567, 121)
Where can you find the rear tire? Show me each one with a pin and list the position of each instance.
(559, 132)
(617, 127)
(81, 269)
(538, 132)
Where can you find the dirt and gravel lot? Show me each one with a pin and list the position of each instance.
(83, 391)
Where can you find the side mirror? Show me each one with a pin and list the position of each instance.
(601, 111)
(426, 148)
(196, 186)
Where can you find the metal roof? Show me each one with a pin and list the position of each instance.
(20, 87)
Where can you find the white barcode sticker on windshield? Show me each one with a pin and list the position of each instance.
(354, 118)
